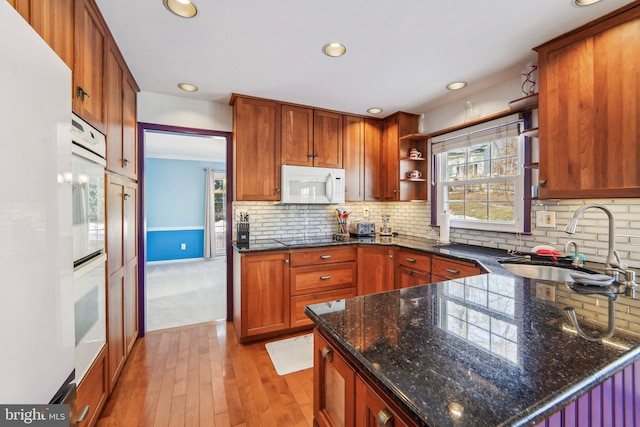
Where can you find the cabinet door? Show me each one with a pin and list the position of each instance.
(390, 160)
(297, 135)
(113, 95)
(53, 20)
(88, 70)
(407, 278)
(23, 7)
(372, 410)
(265, 293)
(375, 269)
(256, 132)
(327, 139)
(130, 292)
(372, 169)
(588, 111)
(333, 386)
(129, 127)
(353, 157)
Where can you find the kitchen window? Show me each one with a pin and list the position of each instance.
(479, 177)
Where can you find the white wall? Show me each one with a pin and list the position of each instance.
(182, 111)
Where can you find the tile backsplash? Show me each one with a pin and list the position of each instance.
(270, 220)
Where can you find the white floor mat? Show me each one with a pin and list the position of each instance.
(291, 355)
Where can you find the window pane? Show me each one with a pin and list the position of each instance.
(504, 167)
(456, 209)
(501, 192)
(504, 148)
(478, 170)
(455, 192)
(476, 210)
(502, 211)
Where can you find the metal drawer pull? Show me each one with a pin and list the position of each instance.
(453, 271)
(385, 418)
(83, 414)
(410, 259)
(325, 277)
(327, 353)
(325, 256)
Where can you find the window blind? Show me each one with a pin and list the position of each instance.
(504, 127)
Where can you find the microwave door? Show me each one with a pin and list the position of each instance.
(329, 187)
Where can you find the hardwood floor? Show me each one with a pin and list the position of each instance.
(200, 376)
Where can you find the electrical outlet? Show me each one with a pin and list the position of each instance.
(365, 212)
(545, 292)
(545, 219)
(183, 246)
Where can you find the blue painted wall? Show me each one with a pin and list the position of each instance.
(175, 195)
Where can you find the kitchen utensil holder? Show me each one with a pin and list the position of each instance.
(243, 233)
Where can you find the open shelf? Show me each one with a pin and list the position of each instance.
(414, 180)
(532, 133)
(525, 103)
(416, 159)
(531, 165)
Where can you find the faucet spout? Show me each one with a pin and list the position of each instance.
(613, 260)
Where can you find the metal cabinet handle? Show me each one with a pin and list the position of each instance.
(325, 277)
(80, 93)
(325, 256)
(286, 261)
(410, 272)
(327, 353)
(125, 162)
(385, 418)
(453, 271)
(391, 256)
(83, 414)
(410, 259)
(542, 182)
(126, 196)
(277, 190)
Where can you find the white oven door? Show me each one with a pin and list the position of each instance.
(90, 312)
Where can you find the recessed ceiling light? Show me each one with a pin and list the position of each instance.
(188, 87)
(456, 85)
(374, 110)
(182, 8)
(586, 2)
(334, 49)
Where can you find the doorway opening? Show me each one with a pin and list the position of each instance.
(183, 275)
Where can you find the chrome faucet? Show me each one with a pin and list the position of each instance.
(613, 259)
(577, 261)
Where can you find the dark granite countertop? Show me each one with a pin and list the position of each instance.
(496, 347)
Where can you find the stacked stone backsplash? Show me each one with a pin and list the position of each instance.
(269, 220)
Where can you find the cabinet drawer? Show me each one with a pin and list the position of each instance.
(413, 260)
(298, 303)
(407, 278)
(92, 390)
(305, 280)
(322, 256)
(453, 269)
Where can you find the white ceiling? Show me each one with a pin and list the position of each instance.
(185, 147)
(400, 54)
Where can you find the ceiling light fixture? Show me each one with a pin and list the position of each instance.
(374, 110)
(182, 8)
(188, 87)
(456, 85)
(585, 2)
(334, 49)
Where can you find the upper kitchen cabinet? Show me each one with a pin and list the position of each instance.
(53, 20)
(120, 91)
(297, 135)
(394, 127)
(256, 147)
(414, 157)
(353, 157)
(589, 131)
(23, 7)
(327, 139)
(372, 168)
(88, 70)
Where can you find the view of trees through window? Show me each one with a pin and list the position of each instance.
(481, 179)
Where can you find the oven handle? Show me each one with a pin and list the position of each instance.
(87, 267)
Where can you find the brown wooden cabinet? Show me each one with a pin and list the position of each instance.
(88, 70)
(375, 269)
(373, 190)
(414, 188)
(394, 127)
(353, 157)
(412, 268)
(122, 261)
(297, 135)
(53, 20)
(260, 294)
(589, 132)
(320, 275)
(373, 409)
(327, 139)
(446, 268)
(333, 386)
(120, 90)
(256, 142)
(93, 390)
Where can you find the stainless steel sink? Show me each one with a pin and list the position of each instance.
(542, 272)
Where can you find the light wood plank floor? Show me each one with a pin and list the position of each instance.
(200, 376)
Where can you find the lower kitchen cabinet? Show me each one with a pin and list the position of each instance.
(122, 264)
(375, 269)
(446, 269)
(372, 409)
(93, 390)
(412, 268)
(260, 294)
(333, 386)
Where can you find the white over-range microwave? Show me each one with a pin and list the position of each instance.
(310, 185)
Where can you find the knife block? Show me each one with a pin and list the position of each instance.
(243, 233)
